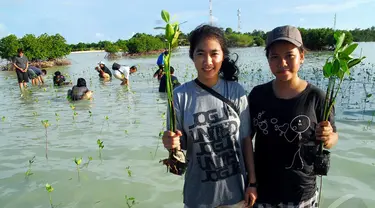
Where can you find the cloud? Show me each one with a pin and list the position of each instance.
(99, 35)
(322, 8)
(3, 30)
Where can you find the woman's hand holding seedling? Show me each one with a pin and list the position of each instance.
(324, 132)
(171, 140)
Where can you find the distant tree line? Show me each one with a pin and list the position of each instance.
(314, 39)
(44, 47)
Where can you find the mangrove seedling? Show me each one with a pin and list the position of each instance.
(28, 172)
(49, 189)
(130, 201)
(46, 125)
(176, 162)
(129, 171)
(335, 69)
(3, 118)
(78, 162)
(57, 116)
(100, 146)
(86, 165)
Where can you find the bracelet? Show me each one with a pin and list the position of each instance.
(250, 185)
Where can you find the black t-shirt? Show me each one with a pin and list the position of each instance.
(285, 142)
(163, 83)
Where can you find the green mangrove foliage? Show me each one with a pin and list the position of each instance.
(28, 172)
(49, 189)
(314, 39)
(336, 68)
(43, 47)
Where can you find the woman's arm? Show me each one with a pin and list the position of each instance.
(249, 159)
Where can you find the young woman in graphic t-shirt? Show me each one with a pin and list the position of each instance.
(286, 116)
(212, 132)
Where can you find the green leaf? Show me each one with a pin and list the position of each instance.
(165, 16)
(159, 28)
(169, 33)
(336, 67)
(339, 40)
(349, 49)
(354, 62)
(175, 38)
(344, 67)
(327, 69)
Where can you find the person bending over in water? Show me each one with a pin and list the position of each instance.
(122, 72)
(103, 70)
(32, 76)
(80, 91)
(38, 72)
(59, 79)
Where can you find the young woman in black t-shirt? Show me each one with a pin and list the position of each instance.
(287, 123)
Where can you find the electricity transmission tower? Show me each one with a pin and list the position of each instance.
(211, 19)
(239, 20)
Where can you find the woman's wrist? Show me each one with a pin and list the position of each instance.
(252, 185)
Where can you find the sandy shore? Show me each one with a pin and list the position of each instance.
(92, 51)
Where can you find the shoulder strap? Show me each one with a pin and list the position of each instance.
(218, 95)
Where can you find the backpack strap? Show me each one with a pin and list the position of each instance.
(218, 95)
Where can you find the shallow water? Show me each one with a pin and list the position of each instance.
(129, 123)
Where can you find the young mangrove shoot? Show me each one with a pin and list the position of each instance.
(336, 68)
(100, 146)
(46, 125)
(78, 162)
(176, 162)
(129, 171)
(49, 189)
(28, 172)
(130, 201)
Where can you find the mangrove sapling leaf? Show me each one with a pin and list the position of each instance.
(130, 201)
(49, 189)
(129, 171)
(46, 125)
(176, 161)
(100, 146)
(28, 172)
(86, 164)
(336, 69)
(78, 162)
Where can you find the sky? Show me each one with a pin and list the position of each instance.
(94, 20)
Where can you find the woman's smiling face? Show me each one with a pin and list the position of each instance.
(208, 58)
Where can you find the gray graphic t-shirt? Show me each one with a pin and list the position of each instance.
(212, 136)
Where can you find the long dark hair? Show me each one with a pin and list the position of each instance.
(229, 70)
